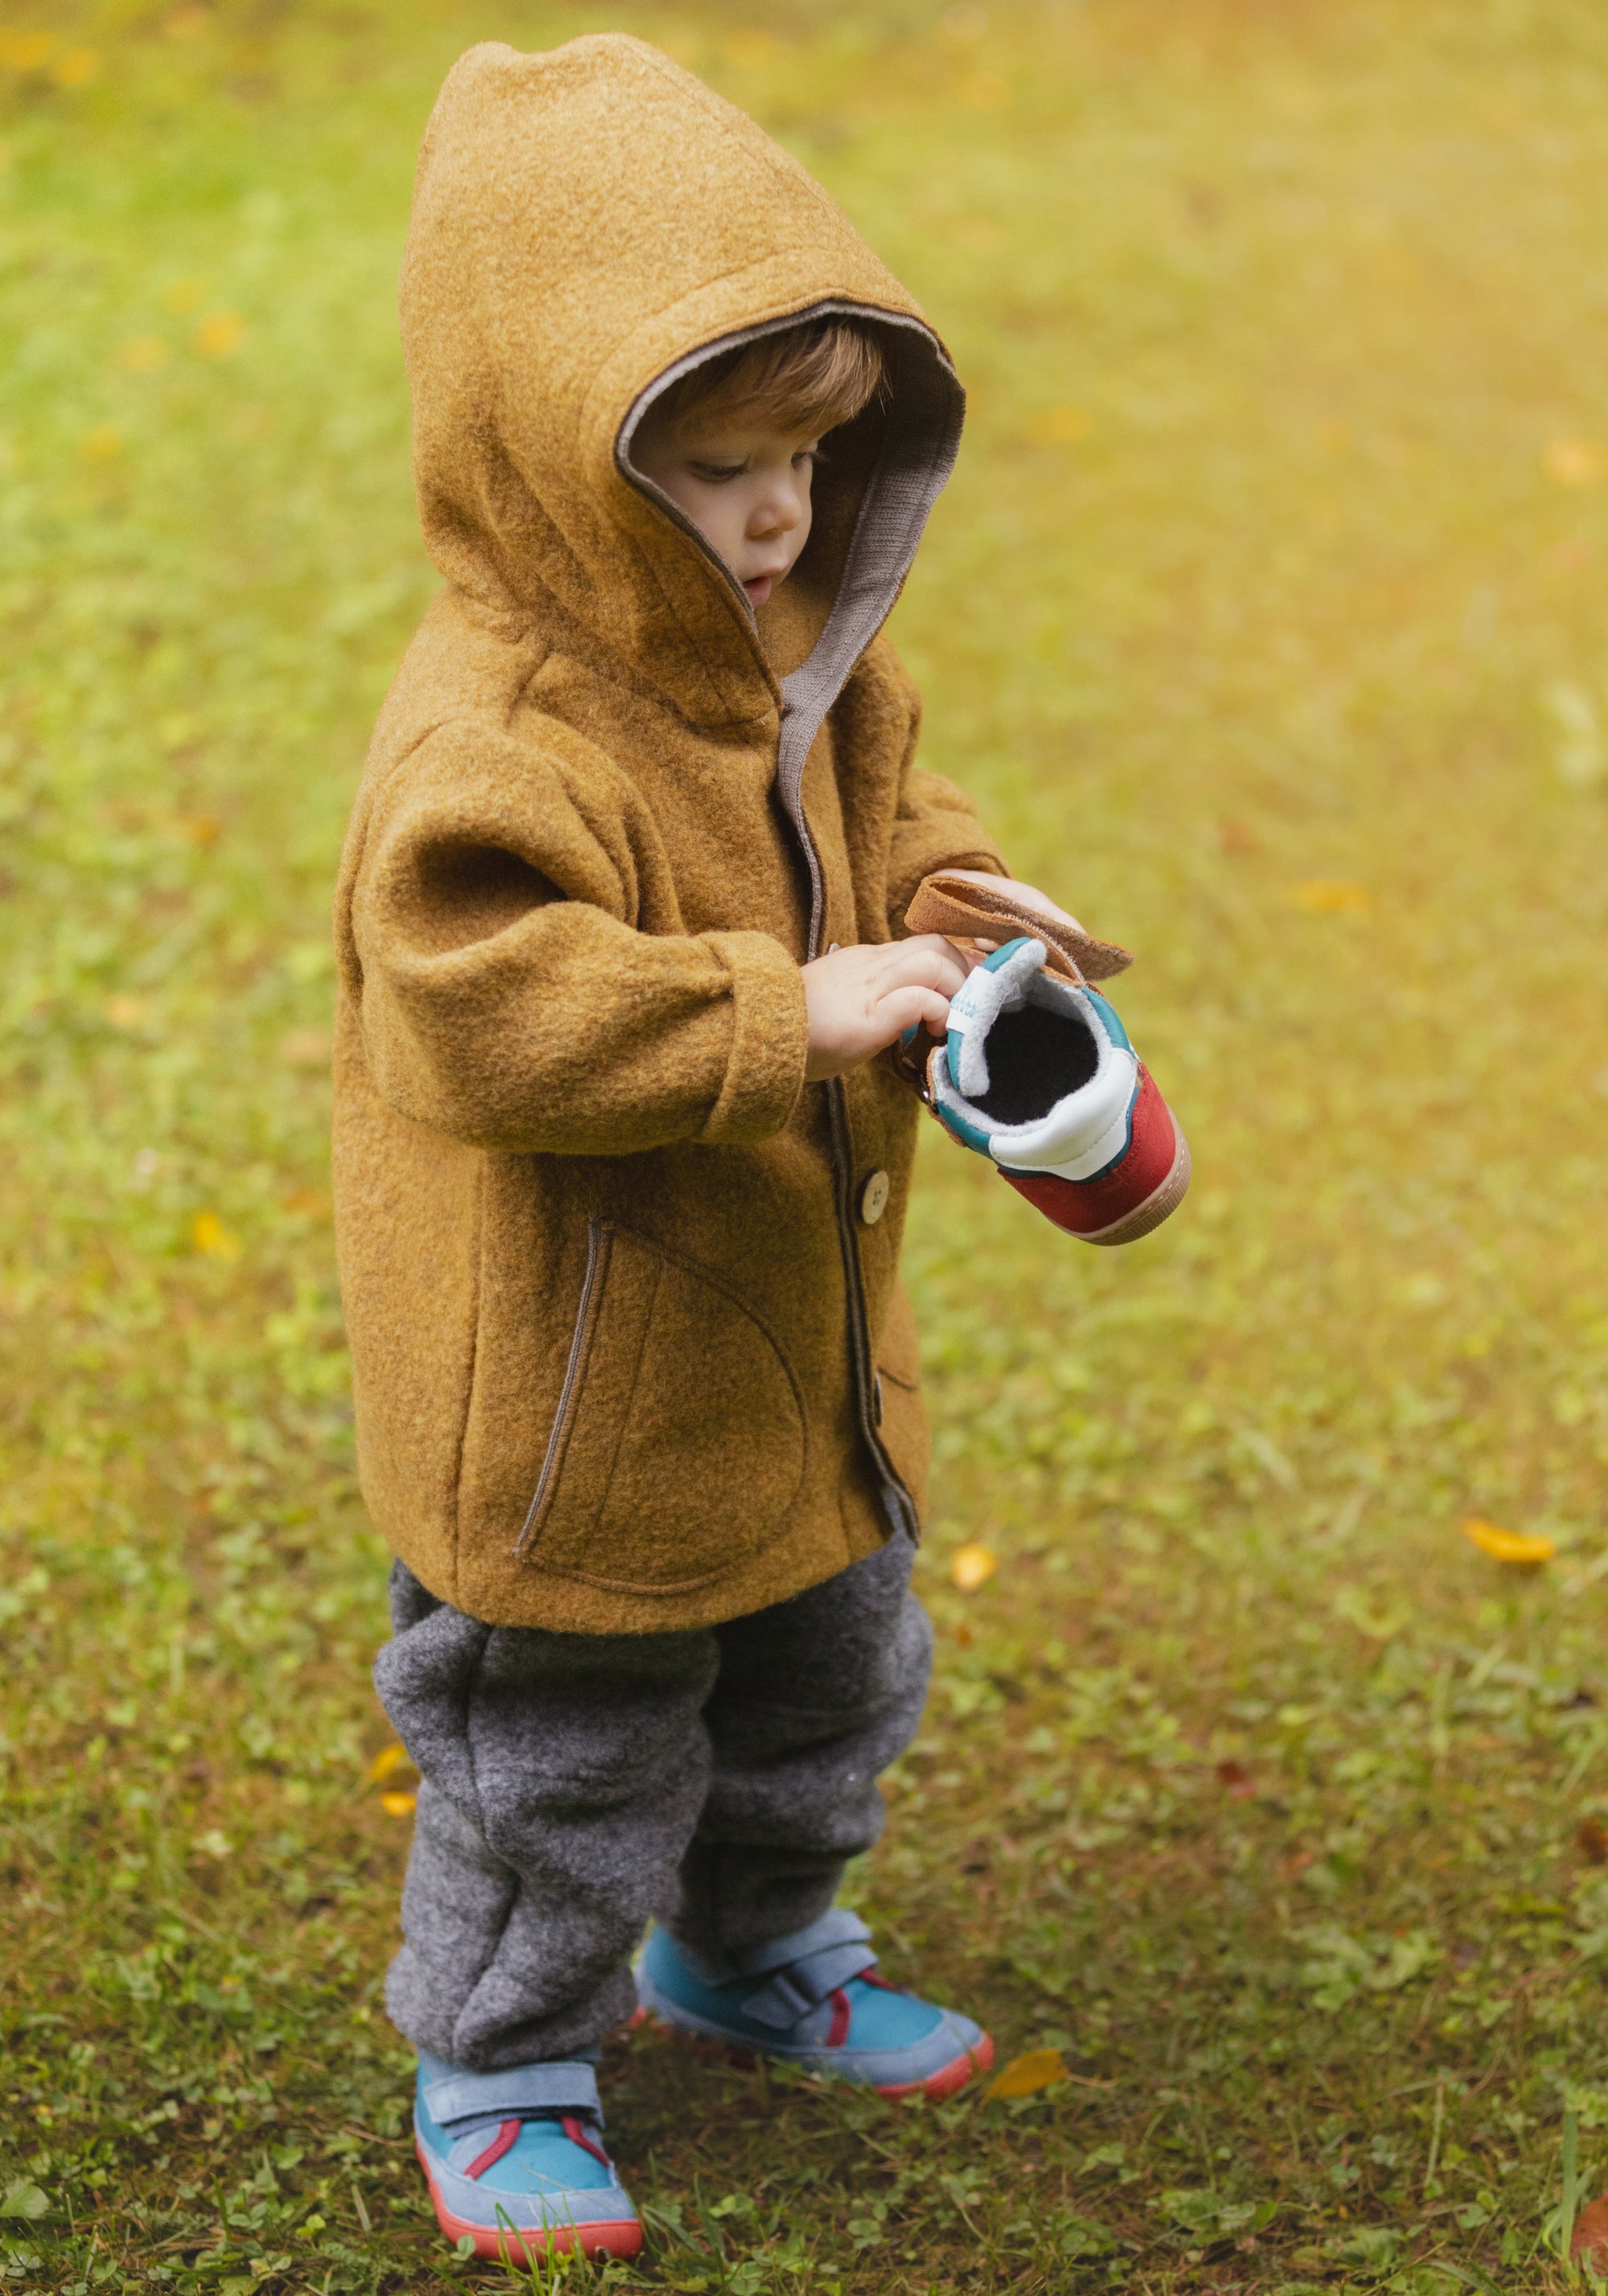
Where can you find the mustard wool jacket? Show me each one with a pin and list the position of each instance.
(629, 1347)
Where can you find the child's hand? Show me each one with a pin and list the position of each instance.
(1025, 896)
(861, 1000)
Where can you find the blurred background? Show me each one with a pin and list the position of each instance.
(1261, 1802)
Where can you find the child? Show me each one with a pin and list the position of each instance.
(621, 1175)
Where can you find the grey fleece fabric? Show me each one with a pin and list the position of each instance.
(574, 1785)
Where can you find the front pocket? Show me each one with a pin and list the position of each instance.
(678, 1444)
(599, 1238)
(902, 1426)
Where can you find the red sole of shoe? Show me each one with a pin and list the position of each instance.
(948, 2078)
(506, 2245)
(1076, 1207)
(943, 2083)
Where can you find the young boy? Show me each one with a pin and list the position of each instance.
(621, 1174)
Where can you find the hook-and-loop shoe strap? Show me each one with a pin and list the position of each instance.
(800, 1969)
(953, 905)
(452, 2095)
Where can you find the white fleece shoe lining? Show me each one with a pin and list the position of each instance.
(1084, 1132)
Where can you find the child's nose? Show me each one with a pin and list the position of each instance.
(778, 512)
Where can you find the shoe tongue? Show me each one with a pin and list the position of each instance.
(997, 986)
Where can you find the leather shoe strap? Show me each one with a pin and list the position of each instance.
(961, 911)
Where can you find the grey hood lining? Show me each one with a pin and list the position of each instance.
(917, 455)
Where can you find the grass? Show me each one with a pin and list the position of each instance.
(1265, 615)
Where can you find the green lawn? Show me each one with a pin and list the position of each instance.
(1266, 617)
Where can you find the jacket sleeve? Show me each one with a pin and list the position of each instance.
(485, 928)
(935, 824)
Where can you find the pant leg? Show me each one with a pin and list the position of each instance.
(816, 1696)
(562, 1778)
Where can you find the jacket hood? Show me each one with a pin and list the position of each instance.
(588, 224)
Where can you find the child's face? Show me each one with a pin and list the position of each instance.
(745, 488)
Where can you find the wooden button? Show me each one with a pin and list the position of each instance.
(874, 1198)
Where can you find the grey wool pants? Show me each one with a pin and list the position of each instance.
(574, 1785)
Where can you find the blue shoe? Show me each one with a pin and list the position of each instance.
(513, 2160)
(811, 2000)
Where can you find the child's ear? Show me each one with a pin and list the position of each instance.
(960, 910)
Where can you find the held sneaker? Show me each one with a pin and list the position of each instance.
(812, 2000)
(1038, 1073)
(513, 2160)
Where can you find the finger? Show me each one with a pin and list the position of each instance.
(928, 960)
(971, 953)
(1021, 895)
(909, 1008)
(939, 945)
(1039, 904)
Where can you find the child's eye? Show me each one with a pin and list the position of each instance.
(718, 474)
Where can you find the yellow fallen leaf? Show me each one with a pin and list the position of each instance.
(201, 829)
(142, 354)
(973, 1567)
(398, 1805)
(1026, 2076)
(124, 1012)
(976, 235)
(102, 442)
(207, 1234)
(77, 68)
(388, 1760)
(25, 52)
(747, 47)
(985, 91)
(220, 335)
(1058, 426)
(1526, 1549)
(1332, 896)
(1574, 461)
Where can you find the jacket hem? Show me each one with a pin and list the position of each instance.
(532, 1597)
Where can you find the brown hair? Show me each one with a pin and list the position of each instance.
(809, 379)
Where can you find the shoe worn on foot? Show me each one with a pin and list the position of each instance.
(1038, 1073)
(513, 2160)
(812, 2000)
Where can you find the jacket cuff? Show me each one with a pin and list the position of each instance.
(770, 1035)
(901, 893)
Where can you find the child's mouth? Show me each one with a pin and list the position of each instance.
(760, 589)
